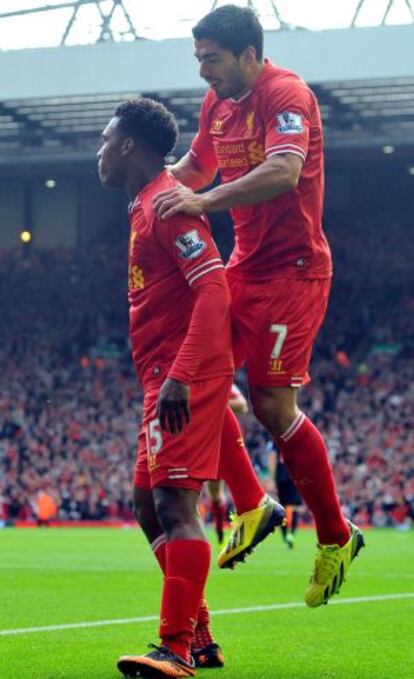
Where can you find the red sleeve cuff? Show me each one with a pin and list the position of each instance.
(180, 375)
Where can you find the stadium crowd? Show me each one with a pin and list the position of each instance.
(70, 404)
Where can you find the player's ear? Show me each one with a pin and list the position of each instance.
(249, 55)
(128, 146)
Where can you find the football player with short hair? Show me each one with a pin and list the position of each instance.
(260, 126)
(180, 336)
(181, 347)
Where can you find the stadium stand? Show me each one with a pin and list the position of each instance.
(70, 404)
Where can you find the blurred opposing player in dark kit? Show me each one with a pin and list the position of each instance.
(260, 127)
(181, 348)
(288, 495)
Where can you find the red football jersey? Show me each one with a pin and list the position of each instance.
(281, 237)
(169, 263)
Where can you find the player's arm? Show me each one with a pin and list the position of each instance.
(275, 176)
(287, 123)
(198, 167)
(204, 273)
(210, 315)
(189, 173)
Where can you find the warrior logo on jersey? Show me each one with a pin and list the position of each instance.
(289, 123)
(216, 127)
(276, 367)
(190, 244)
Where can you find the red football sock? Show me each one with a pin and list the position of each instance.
(235, 466)
(202, 633)
(188, 562)
(218, 511)
(306, 457)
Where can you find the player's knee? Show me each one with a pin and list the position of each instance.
(170, 514)
(176, 512)
(169, 518)
(145, 514)
(139, 511)
(215, 491)
(265, 408)
(139, 503)
(276, 410)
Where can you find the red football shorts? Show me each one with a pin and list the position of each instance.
(275, 324)
(187, 459)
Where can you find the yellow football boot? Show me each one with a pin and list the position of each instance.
(248, 529)
(331, 566)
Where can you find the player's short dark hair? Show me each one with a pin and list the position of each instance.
(148, 121)
(233, 28)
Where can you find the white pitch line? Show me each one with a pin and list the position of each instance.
(225, 611)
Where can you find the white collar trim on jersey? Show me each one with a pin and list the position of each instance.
(237, 101)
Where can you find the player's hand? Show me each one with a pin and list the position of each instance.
(178, 199)
(173, 406)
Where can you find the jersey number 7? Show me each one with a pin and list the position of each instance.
(281, 332)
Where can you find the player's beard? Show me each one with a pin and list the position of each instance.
(234, 86)
(111, 179)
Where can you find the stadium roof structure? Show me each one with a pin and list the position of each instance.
(355, 116)
(46, 23)
(56, 101)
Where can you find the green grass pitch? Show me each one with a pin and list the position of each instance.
(51, 577)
